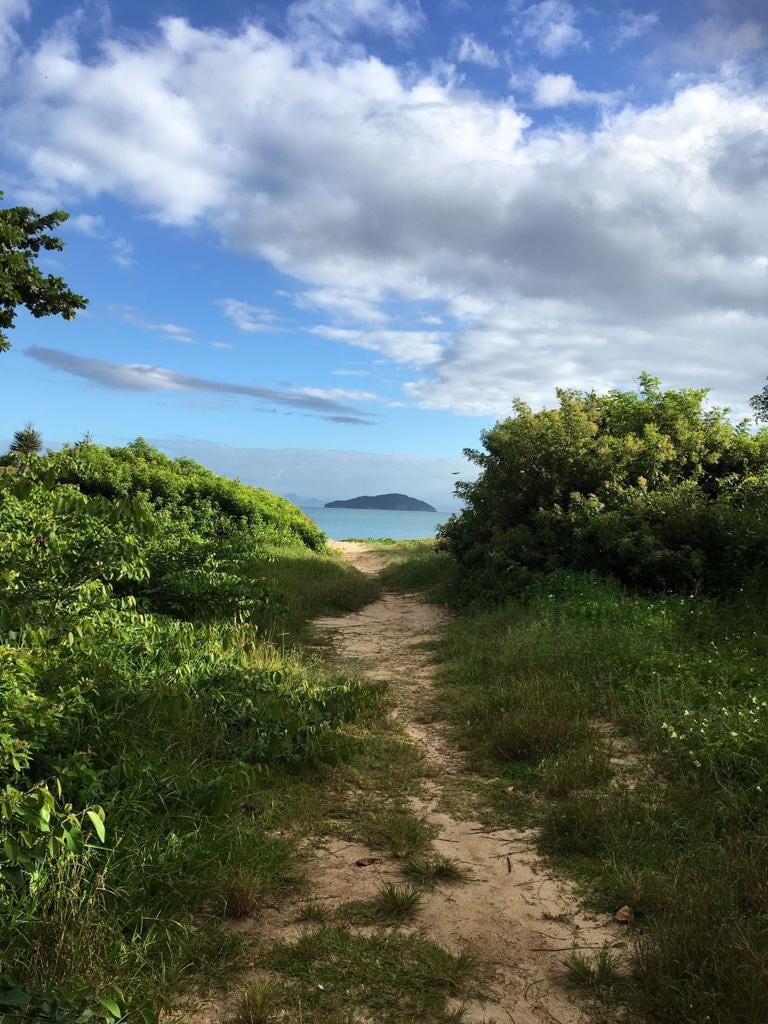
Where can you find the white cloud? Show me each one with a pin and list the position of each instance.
(122, 252)
(248, 318)
(419, 348)
(91, 225)
(562, 91)
(569, 255)
(339, 394)
(350, 373)
(352, 304)
(632, 26)
(94, 226)
(10, 11)
(472, 51)
(551, 26)
(174, 331)
(318, 23)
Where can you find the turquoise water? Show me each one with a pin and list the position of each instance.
(341, 523)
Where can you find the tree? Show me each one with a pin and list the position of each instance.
(759, 403)
(23, 233)
(26, 442)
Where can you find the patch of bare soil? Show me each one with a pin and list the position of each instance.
(512, 913)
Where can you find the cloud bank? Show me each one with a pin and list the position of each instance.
(143, 377)
(554, 255)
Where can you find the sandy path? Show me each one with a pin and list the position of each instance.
(504, 913)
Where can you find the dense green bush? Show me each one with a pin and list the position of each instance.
(139, 713)
(649, 487)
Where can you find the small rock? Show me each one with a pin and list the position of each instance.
(624, 915)
(365, 861)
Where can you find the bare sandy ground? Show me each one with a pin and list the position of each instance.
(505, 914)
(512, 914)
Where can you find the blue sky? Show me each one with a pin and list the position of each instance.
(326, 243)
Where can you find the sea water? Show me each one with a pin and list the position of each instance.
(343, 523)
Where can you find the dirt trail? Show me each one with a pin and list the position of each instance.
(512, 913)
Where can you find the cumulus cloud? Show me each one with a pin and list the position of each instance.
(472, 51)
(11, 11)
(143, 377)
(354, 304)
(420, 348)
(248, 318)
(551, 26)
(723, 38)
(562, 91)
(632, 26)
(554, 254)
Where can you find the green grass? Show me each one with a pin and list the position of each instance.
(417, 565)
(258, 1003)
(312, 584)
(392, 904)
(393, 827)
(598, 971)
(524, 685)
(429, 869)
(395, 977)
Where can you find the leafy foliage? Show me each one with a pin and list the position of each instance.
(26, 441)
(759, 403)
(139, 712)
(649, 487)
(23, 233)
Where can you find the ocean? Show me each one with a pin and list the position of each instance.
(343, 523)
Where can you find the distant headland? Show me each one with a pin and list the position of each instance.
(388, 502)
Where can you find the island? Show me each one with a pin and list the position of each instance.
(388, 502)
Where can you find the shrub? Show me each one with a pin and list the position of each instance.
(649, 487)
(138, 713)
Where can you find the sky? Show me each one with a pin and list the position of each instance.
(326, 243)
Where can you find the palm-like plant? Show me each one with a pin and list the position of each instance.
(26, 442)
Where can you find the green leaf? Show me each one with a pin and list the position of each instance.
(98, 823)
(110, 1004)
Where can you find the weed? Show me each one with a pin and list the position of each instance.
(258, 1003)
(312, 910)
(396, 902)
(601, 971)
(240, 897)
(391, 904)
(395, 828)
(582, 767)
(395, 976)
(431, 868)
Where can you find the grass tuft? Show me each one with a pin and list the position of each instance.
(258, 1003)
(601, 971)
(432, 868)
(586, 766)
(395, 828)
(312, 910)
(397, 902)
(240, 896)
